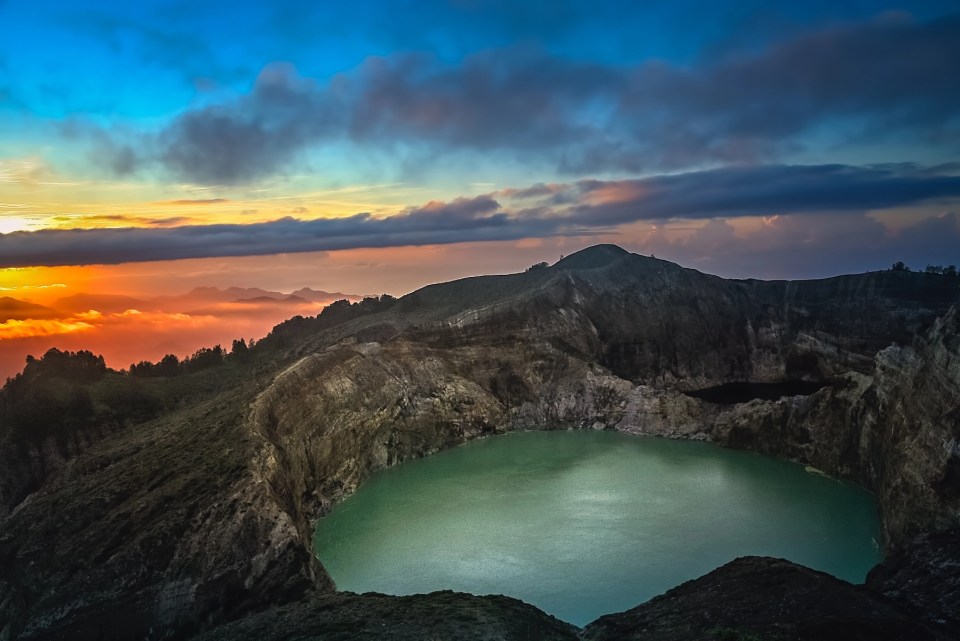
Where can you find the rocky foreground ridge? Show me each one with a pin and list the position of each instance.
(198, 522)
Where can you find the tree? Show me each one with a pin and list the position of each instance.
(51, 394)
(239, 350)
(204, 358)
(169, 365)
(82, 366)
(538, 266)
(899, 266)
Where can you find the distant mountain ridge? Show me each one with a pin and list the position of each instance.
(17, 309)
(212, 295)
(106, 303)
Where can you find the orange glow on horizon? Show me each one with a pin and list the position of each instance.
(161, 320)
(156, 326)
(44, 284)
(133, 335)
(33, 196)
(10, 224)
(29, 328)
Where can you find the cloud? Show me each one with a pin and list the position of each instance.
(579, 208)
(253, 136)
(115, 150)
(88, 221)
(196, 201)
(41, 327)
(133, 335)
(24, 171)
(155, 40)
(886, 80)
(436, 222)
(757, 191)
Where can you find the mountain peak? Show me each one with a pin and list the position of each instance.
(593, 257)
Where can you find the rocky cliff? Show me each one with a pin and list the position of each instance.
(203, 516)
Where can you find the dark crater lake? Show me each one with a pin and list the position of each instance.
(585, 523)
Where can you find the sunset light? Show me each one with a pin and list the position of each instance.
(14, 223)
(479, 319)
(362, 171)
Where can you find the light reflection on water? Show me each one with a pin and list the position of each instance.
(587, 523)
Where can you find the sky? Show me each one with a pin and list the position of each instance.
(150, 148)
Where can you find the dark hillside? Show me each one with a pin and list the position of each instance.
(163, 502)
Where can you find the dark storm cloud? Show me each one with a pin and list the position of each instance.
(463, 219)
(885, 79)
(759, 191)
(890, 79)
(515, 99)
(259, 134)
(579, 208)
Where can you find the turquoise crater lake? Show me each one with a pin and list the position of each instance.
(584, 523)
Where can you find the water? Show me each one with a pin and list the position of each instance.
(583, 524)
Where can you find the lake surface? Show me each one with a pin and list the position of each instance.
(585, 523)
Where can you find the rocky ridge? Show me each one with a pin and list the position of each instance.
(205, 515)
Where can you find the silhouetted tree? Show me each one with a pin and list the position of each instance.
(169, 365)
(51, 394)
(899, 266)
(239, 350)
(204, 358)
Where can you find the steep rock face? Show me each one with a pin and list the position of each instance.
(333, 417)
(652, 322)
(205, 516)
(339, 414)
(895, 430)
(538, 362)
(924, 578)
